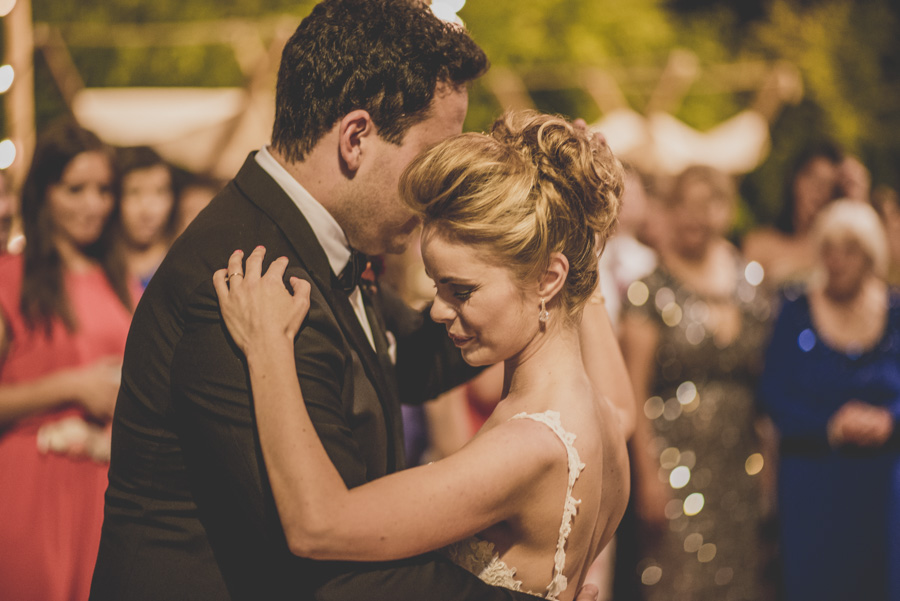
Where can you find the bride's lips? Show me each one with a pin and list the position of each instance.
(459, 340)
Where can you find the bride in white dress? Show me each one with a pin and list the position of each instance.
(514, 222)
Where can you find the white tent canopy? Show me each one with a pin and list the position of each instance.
(201, 129)
(661, 143)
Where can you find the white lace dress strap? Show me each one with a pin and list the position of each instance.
(551, 419)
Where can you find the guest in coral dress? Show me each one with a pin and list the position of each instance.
(65, 308)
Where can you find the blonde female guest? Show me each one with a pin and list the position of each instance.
(513, 223)
(65, 308)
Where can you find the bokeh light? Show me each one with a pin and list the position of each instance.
(754, 273)
(7, 75)
(6, 7)
(664, 297)
(754, 464)
(671, 315)
(806, 340)
(669, 457)
(654, 407)
(706, 553)
(693, 542)
(651, 575)
(693, 504)
(638, 293)
(673, 509)
(7, 153)
(679, 477)
(686, 392)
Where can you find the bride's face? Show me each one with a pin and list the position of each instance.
(487, 315)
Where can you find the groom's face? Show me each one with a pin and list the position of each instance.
(382, 222)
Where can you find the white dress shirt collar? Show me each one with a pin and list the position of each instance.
(328, 232)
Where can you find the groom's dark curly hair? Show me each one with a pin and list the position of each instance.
(382, 56)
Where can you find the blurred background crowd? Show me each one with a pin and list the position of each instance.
(751, 278)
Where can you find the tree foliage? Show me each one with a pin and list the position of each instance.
(849, 56)
(846, 50)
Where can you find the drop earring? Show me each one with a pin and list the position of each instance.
(544, 315)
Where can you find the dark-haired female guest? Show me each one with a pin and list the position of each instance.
(65, 305)
(148, 211)
(821, 174)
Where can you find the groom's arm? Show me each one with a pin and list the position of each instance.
(423, 577)
(437, 581)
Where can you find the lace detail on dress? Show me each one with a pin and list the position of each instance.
(559, 583)
(478, 557)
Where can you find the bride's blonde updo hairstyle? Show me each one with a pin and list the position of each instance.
(534, 186)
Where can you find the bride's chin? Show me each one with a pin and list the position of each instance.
(476, 359)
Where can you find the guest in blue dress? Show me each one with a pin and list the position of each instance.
(832, 386)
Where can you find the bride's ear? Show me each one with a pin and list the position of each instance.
(554, 277)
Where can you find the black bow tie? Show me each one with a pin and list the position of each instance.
(351, 274)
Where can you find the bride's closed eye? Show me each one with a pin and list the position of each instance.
(463, 294)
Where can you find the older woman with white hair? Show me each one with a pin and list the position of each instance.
(832, 387)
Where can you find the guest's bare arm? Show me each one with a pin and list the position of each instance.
(400, 515)
(449, 425)
(94, 387)
(604, 363)
(640, 338)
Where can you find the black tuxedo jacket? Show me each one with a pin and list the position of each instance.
(189, 513)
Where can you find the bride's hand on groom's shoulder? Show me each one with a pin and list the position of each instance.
(257, 308)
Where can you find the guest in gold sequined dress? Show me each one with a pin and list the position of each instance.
(693, 333)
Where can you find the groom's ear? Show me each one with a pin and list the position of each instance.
(353, 129)
(554, 277)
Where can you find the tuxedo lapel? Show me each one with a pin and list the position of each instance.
(379, 335)
(379, 332)
(265, 193)
(260, 189)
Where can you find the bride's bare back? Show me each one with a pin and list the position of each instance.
(529, 540)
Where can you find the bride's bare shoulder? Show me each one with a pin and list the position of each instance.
(533, 446)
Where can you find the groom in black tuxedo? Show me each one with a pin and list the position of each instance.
(364, 85)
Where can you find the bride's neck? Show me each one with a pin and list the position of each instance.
(553, 357)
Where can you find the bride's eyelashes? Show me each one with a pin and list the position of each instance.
(463, 294)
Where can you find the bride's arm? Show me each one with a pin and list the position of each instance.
(604, 363)
(400, 515)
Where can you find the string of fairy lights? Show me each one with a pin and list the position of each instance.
(7, 78)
